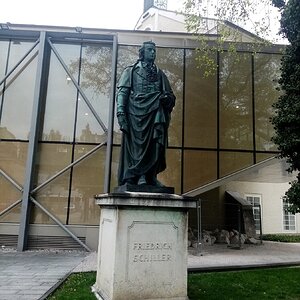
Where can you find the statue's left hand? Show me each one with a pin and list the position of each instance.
(167, 101)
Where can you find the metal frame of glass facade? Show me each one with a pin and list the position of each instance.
(44, 41)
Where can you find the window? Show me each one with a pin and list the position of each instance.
(255, 201)
(289, 220)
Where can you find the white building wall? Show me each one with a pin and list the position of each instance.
(271, 203)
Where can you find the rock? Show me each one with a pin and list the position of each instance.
(223, 237)
(252, 241)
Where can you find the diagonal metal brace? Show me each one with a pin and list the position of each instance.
(60, 224)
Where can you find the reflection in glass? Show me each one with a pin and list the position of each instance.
(127, 55)
(19, 93)
(172, 175)
(236, 130)
(95, 81)
(171, 62)
(231, 162)
(13, 157)
(54, 197)
(3, 62)
(9, 195)
(87, 181)
(51, 158)
(3, 57)
(61, 97)
(200, 167)
(263, 156)
(266, 75)
(114, 168)
(200, 126)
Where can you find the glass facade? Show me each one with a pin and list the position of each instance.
(220, 123)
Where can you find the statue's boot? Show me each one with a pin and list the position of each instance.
(142, 180)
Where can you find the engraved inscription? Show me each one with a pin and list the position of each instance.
(152, 252)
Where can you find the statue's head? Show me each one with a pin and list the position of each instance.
(147, 51)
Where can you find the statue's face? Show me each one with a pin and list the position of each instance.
(150, 53)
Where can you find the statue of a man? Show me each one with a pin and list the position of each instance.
(144, 104)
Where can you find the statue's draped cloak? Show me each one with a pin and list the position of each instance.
(144, 146)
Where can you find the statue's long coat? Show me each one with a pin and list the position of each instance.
(143, 149)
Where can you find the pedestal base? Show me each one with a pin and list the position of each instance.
(142, 250)
(144, 189)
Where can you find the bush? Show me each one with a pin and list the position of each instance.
(285, 238)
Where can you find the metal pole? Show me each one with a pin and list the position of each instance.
(260, 225)
(111, 119)
(16, 185)
(62, 226)
(32, 145)
(239, 225)
(199, 245)
(3, 212)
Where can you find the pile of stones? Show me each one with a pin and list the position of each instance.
(231, 237)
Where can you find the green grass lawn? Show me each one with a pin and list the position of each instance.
(279, 283)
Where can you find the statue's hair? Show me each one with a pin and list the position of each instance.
(142, 49)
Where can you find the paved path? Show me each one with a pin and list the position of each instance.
(31, 275)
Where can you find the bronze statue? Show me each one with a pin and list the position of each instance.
(144, 103)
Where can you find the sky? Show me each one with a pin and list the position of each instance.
(113, 14)
(109, 14)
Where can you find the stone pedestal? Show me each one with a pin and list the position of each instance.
(142, 251)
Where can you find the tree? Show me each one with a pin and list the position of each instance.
(286, 120)
(225, 19)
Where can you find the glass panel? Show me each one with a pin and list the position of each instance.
(266, 75)
(200, 167)
(114, 167)
(171, 62)
(231, 162)
(54, 197)
(95, 81)
(3, 61)
(263, 156)
(19, 93)
(235, 102)
(51, 158)
(172, 175)
(9, 195)
(87, 181)
(127, 55)
(13, 160)
(200, 128)
(61, 95)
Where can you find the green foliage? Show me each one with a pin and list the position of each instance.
(224, 34)
(293, 196)
(284, 238)
(76, 287)
(255, 284)
(286, 120)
